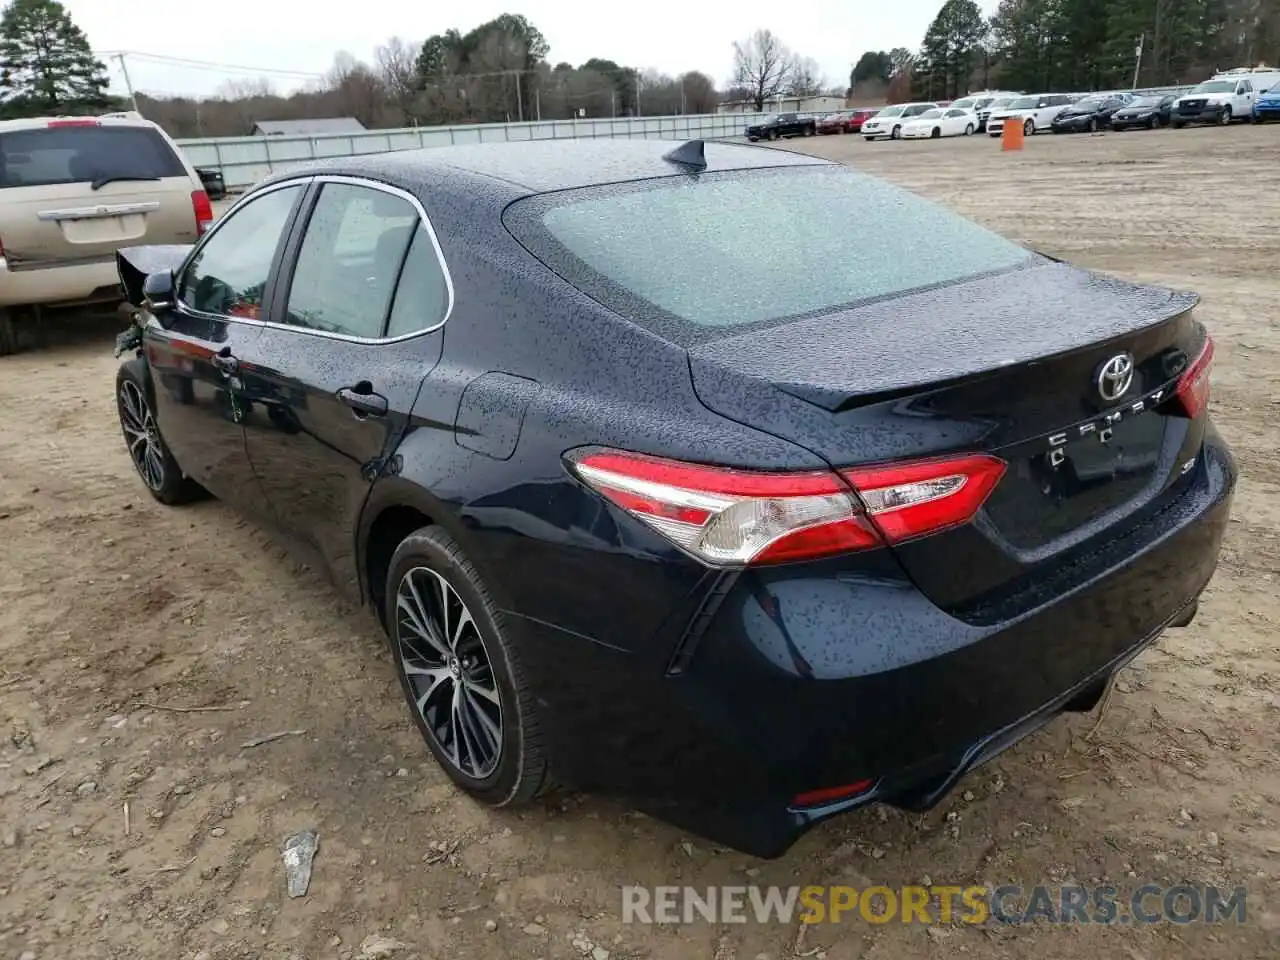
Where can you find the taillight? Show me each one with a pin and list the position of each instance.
(728, 517)
(79, 122)
(908, 500)
(203, 210)
(1194, 384)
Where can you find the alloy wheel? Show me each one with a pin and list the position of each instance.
(142, 435)
(446, 664)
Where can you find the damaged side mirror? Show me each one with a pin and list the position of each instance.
(157, 291)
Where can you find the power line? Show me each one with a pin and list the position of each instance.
(166, 60)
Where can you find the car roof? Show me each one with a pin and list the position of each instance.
(542, 166)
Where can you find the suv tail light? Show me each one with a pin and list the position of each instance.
(203, 210)
(1194, 384)
(74, 122)
(727, 517)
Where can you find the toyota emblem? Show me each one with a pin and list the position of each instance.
(1115, 377)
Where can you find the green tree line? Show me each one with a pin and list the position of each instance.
(1075, 45)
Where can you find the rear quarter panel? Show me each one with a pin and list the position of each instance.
(573, 374)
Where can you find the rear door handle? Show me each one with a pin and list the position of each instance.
(363, 402)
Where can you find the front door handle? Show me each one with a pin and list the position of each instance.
(363, 401)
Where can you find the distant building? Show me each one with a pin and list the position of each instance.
(307, 128)
(786, 105)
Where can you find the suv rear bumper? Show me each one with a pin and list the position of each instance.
(67, 284)
(1209, 113)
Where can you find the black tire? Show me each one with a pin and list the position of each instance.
(1225, 118)
(968, 131)
(935, 133)
(522, 768)
(1178, 124)
(1093, 124)
(773, 135)
(160, 473)
(896, 134)
(1029, 128)
(870, 139)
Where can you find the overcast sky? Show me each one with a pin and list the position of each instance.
(670, 35)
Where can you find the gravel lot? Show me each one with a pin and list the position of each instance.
(133, 829)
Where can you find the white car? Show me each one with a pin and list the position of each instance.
(888, 122)
(941, 122)
(1035, 113)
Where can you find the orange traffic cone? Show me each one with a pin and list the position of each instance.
(1012, 138)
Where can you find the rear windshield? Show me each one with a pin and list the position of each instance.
(43, 156)
(722, 250)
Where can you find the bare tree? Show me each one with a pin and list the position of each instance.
(397, 69)
(245, 88)
(806, 78)
(763, 64)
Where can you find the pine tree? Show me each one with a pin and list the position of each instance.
(46, 63)
(952, 48)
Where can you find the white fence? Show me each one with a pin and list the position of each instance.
(246, 160)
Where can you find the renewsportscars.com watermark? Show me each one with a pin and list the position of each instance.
(1147, 903)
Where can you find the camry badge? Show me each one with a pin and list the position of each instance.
(1115, 377)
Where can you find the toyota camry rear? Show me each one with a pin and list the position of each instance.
(1003, 485)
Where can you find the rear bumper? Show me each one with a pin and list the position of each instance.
(78, 283)
(804, 679)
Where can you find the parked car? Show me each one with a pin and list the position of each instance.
(1089, 113)
(978, 102)
(706, 556)
(214, 184)
(73, 190)
(1150, 112)
(940, 122)
(844, 121)
(888, 122)
(1267, 105)
(1215, 101)
(782, 125)
(984, 111)
(1035, 113)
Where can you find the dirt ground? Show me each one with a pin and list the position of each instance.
(134, 829)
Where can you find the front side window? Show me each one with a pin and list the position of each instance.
(228, 276)
(350, 259)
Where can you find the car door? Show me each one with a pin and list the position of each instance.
(362, 298)
(192, 346)
(1243, 105)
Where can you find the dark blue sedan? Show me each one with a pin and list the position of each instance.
(664, 480)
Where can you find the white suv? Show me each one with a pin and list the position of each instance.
(73, 190)
(1035, 113)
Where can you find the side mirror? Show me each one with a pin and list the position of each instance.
(157, 291)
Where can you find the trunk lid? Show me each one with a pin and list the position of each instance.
(1009, 365)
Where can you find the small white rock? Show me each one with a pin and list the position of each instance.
(491, 925)
(86, 788)
(968, 795)
(534, 929)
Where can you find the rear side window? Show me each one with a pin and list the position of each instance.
(729, 249)
(422, 296)
(85, 154)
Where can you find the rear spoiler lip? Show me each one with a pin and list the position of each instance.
(134, 264)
